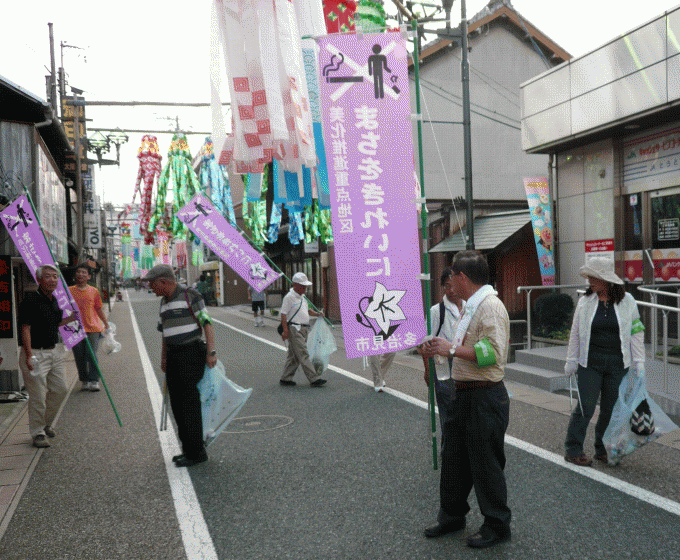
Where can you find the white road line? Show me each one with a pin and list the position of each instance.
(620, 485)
(198, 544)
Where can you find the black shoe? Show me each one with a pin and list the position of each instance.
(187, 462)
(287, 382)
(487, 537)
(318, 383)
(177, 458)
(441, 529)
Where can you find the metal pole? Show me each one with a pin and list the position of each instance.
(467, 137)
(79, 180)
(423, 229)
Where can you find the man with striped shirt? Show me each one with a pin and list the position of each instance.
(183, 357)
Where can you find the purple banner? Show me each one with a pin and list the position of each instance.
(226, 242)
(369, 149)
(24, 229)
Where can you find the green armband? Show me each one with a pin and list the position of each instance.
(203, 317)
(637, 327)
(485, 354)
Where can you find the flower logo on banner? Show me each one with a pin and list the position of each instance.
(383, 308)
(257, 271)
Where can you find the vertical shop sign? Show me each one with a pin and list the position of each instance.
(369, 149)
(538, 197)
(6, 315)
(91, 214)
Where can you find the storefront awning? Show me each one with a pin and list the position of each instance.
(490, 231)
(210, 265)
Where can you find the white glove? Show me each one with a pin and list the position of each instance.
(570, 367)
(639, 368)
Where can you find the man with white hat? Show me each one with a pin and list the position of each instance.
(295, 314)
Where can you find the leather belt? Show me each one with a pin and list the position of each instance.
(470, 385)
(299, 324)
(43, 347)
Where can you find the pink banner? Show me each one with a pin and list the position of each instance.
(369, 147)
(24, 229)
(226, 242)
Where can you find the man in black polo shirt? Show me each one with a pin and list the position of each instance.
(183, 357)
(41, 360)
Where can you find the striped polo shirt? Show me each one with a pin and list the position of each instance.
(176, 320)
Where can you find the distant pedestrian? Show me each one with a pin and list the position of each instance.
(92, 316)
(380, 363)
(473, 453)
(184, 356)
(257, 303)
(607, 337)
(295, 314)
(42, 359)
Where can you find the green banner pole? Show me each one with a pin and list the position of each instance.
(87, 340)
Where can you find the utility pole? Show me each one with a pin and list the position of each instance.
(467, 136)
(53, 74)
(79, 179)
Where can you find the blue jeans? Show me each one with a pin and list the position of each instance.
(87, 367)
(601, 379)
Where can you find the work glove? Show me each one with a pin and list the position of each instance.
(570, 367)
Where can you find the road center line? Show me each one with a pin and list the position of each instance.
(620, 485)
(198, 544)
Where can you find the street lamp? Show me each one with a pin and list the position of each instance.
(100, 144)
(118, 138)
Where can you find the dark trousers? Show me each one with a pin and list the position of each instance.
(86, 366)
(473, 455)
(601, 379)
(184, 369)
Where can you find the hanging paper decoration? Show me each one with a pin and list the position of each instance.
(274, 223)
(181, 248)
(215, 182)
(197, 253)
(147, 257)
(125, 241)
(370, 16)
(325, 229)
(261, 48)
(311, 223)
(149, 170)
(185, 185)
(255, 213)
(295, 230)
(164, 246)
(339, 15)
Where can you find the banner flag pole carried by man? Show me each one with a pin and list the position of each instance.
(367, 131)
(224, 240)
(25, 230)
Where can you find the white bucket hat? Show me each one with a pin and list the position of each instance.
(301, 278)
(602, 268)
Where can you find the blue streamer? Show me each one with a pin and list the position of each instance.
(279, 182)
(323, 190)
(274, 223)
(307, 186)
(292, 191)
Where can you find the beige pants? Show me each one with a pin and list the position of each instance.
(298, 355)
(380, 363)
(45, 391)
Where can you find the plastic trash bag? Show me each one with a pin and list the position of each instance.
(110, 344)
(619, 439)
(320, 345)
(221, 400)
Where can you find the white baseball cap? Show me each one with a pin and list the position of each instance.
(301, 278)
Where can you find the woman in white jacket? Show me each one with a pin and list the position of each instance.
(606, 339)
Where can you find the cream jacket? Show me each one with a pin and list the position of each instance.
(631, 331)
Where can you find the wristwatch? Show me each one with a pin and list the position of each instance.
(212, 353)
(452, 351)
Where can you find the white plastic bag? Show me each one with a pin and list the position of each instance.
(110, 344)
(619, 439)
(221, 400)
(320, 345)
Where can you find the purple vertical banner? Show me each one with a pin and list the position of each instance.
(24, 229)
(369, 148)
(226, 242)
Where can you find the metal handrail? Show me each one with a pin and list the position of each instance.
(653, 294)
(528, 290)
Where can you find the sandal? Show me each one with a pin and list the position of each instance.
(580, 460)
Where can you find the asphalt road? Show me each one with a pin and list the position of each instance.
(337, 472)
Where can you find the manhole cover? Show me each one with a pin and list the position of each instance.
(248, 424)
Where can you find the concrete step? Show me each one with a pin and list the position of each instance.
(552, 359)
(536, 377)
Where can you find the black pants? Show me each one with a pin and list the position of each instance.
(473, 455)
(185, 366)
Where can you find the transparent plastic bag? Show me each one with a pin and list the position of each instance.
(221, 401)
(320, 345)
(109, 344)
(619, 439)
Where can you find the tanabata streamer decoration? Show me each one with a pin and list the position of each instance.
(181, 249)
(147, 257)
(184, 181)
(370, 17)
(261, 51)
(255, 216)
(215, 182)
(339, 15)
(149, 170)
(274, 223)
(125, 241)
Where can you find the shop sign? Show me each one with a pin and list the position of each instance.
(6, 314)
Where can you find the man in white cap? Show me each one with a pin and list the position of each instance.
(295, 314)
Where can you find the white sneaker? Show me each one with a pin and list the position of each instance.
(86, 386)
(94, 386)
(379, 388)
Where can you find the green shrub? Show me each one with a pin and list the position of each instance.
(552, 315)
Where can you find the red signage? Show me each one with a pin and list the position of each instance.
(6, 315)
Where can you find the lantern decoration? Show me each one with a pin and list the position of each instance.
(216, 183)
(184, 182)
